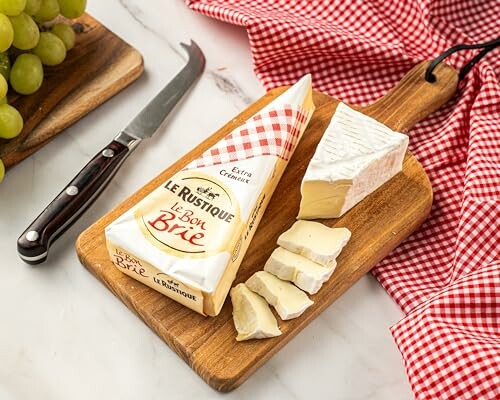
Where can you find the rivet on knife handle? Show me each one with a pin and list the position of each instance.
(33, 245)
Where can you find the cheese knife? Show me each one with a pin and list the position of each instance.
(33, 245)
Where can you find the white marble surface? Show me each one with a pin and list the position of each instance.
(64, 336)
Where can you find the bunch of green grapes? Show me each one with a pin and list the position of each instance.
(28, 41)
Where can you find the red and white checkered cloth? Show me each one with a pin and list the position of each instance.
(446, 277)
(274, 132)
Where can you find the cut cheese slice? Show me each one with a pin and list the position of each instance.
(315, 241)
(304, 273)
(289, 301)
(356, 155)
(253, 319)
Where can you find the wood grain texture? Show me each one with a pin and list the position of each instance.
(379, 223)
(99, 66)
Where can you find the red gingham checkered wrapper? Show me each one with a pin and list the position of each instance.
(274, 132)
(446, 276)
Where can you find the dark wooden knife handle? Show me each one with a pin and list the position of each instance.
(33, 245)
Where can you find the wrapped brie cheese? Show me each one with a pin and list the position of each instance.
(188, 237)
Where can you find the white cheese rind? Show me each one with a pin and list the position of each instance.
(315, 241)
(289, 301)
(356, 155)
(253, 319)
(304, 273)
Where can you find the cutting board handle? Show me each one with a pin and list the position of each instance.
(413, 98)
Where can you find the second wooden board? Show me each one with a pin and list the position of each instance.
(100, 65)
(378, 224)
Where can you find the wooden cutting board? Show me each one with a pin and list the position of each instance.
(99, 66)
(378, 224)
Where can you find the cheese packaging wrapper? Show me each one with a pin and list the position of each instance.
(188, 237)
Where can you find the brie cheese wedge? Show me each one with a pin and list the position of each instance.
(356, 155)
(253, 319)
(187, 238)
(304, 273)
(289, 301)
(315, 241)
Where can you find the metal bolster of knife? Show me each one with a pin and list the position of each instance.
(127, 140)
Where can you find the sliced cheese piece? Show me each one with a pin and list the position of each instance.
(304, 273)
(289, 301)
(252, 316)
(315, 241)
(356, 155)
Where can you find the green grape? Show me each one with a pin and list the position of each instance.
(26, 32)
(32, 6)
(6, 33)
(72, 8)
(66, 33)
(3, 100)
(2, 170)
(12, 7)
(11, 122)
(26, 75)
(4, 65)
(4, 87)
(50, 49)
(49, 9)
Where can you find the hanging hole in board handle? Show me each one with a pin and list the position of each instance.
(486, 48)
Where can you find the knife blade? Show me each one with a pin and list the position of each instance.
(33, 245)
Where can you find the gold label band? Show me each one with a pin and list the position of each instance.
(192, 216)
